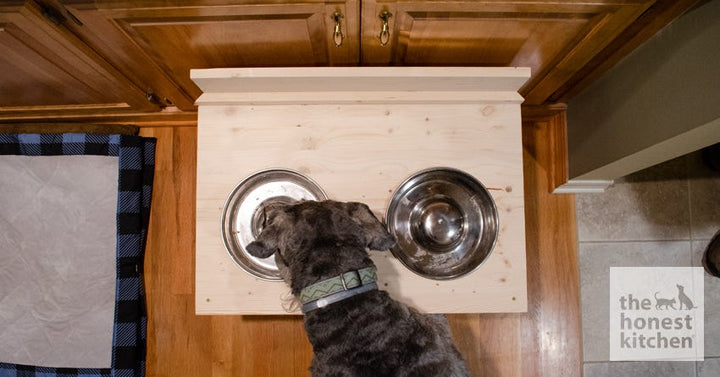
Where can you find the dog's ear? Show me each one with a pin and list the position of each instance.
(268, 242)
(376, 235)
(261, 249)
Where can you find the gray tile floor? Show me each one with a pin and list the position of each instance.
(662, 216)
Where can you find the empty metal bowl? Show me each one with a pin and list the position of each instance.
(445, 221)
(242, 218)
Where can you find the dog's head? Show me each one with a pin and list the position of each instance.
(315, 240)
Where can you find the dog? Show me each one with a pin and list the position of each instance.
(684, 299)
(356, 330)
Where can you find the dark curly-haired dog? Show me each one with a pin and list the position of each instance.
(355, 329)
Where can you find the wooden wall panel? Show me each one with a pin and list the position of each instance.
(543, 342)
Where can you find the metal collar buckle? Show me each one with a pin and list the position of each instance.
(344, 281)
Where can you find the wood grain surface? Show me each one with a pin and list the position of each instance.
(362, 153)
(147, 47)
(543, 342)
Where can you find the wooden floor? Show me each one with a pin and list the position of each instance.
(543, 342)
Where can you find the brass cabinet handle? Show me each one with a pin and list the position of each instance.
(338, 35)
(385, 32)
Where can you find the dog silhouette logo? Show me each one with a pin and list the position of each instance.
(683, 298)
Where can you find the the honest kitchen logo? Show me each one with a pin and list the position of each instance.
(634, 322)
(656, 313)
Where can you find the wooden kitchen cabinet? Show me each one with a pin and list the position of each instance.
(117, 59)
(47, 71)
(178, 36)
(555, 39)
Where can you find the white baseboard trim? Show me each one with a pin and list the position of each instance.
(583, 186)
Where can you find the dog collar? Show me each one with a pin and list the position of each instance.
(338, 288)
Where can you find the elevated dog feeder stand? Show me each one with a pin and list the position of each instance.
(359, 132)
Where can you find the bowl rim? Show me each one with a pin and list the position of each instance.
(407, 186)
(231, 202)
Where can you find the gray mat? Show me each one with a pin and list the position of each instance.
(57, 253)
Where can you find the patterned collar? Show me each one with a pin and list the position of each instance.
(338, 288)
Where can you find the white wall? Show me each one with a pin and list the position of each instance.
(660, 102)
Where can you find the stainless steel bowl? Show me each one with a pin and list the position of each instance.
(242, 219)
(445, 221)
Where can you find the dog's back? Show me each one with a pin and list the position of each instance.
(373, 335)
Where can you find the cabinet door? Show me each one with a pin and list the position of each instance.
(179, 36)
(555, 39)
(46, 72)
